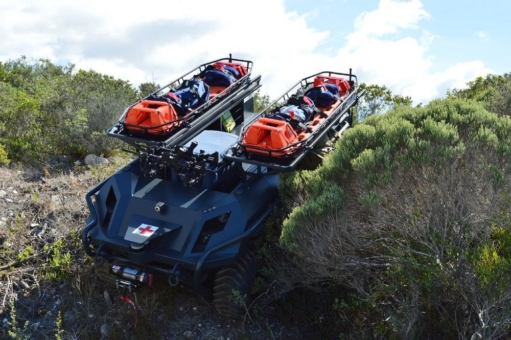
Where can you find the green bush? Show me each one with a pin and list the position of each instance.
(407, 213)
(4, 160)
(493, 91)
(50, 110)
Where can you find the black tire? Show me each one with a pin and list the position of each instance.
(234, 282)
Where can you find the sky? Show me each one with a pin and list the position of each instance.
(416, 48)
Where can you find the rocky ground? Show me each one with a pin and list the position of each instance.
(48, 288)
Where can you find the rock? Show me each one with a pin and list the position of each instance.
(55, 198)
(95, 160)
(105, 330)
(188, 334)
(108, 299)
(8, 200)
(78, 163)
(90, 159)
(2, 193)
(102, 161)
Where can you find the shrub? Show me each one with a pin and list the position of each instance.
(4, 160)
(48, 110)
(407, 212)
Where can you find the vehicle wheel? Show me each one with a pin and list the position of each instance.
(233, 284)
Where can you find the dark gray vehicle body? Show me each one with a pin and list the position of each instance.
(198, 228)
(185, 209)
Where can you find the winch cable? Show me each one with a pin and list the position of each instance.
(125, 298)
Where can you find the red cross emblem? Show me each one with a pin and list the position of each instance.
(145, 230)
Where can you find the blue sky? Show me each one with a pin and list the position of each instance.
(462, 29)
(416, 48)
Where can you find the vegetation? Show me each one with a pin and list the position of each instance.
(379, 99)
(409, 215)
(403, 232)
(493, 91)
(49, 111)
(261, 101)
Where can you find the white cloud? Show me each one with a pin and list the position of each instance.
(140, 42)
(436, 84)
(427, 38)
(390, 17)
(482, 35)
(163, 39)
(402, 63)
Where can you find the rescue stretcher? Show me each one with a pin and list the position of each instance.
(276, 144)
(149, 122)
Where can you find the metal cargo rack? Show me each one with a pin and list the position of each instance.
(197, 119)
(338, 121)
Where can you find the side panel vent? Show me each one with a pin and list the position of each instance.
(110, 203)
(210, 227)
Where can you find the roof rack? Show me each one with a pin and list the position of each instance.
(292, 146)
(196, 120)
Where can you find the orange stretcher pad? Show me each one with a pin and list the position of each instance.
(151, 116)
(277, 138)
(158, 117)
